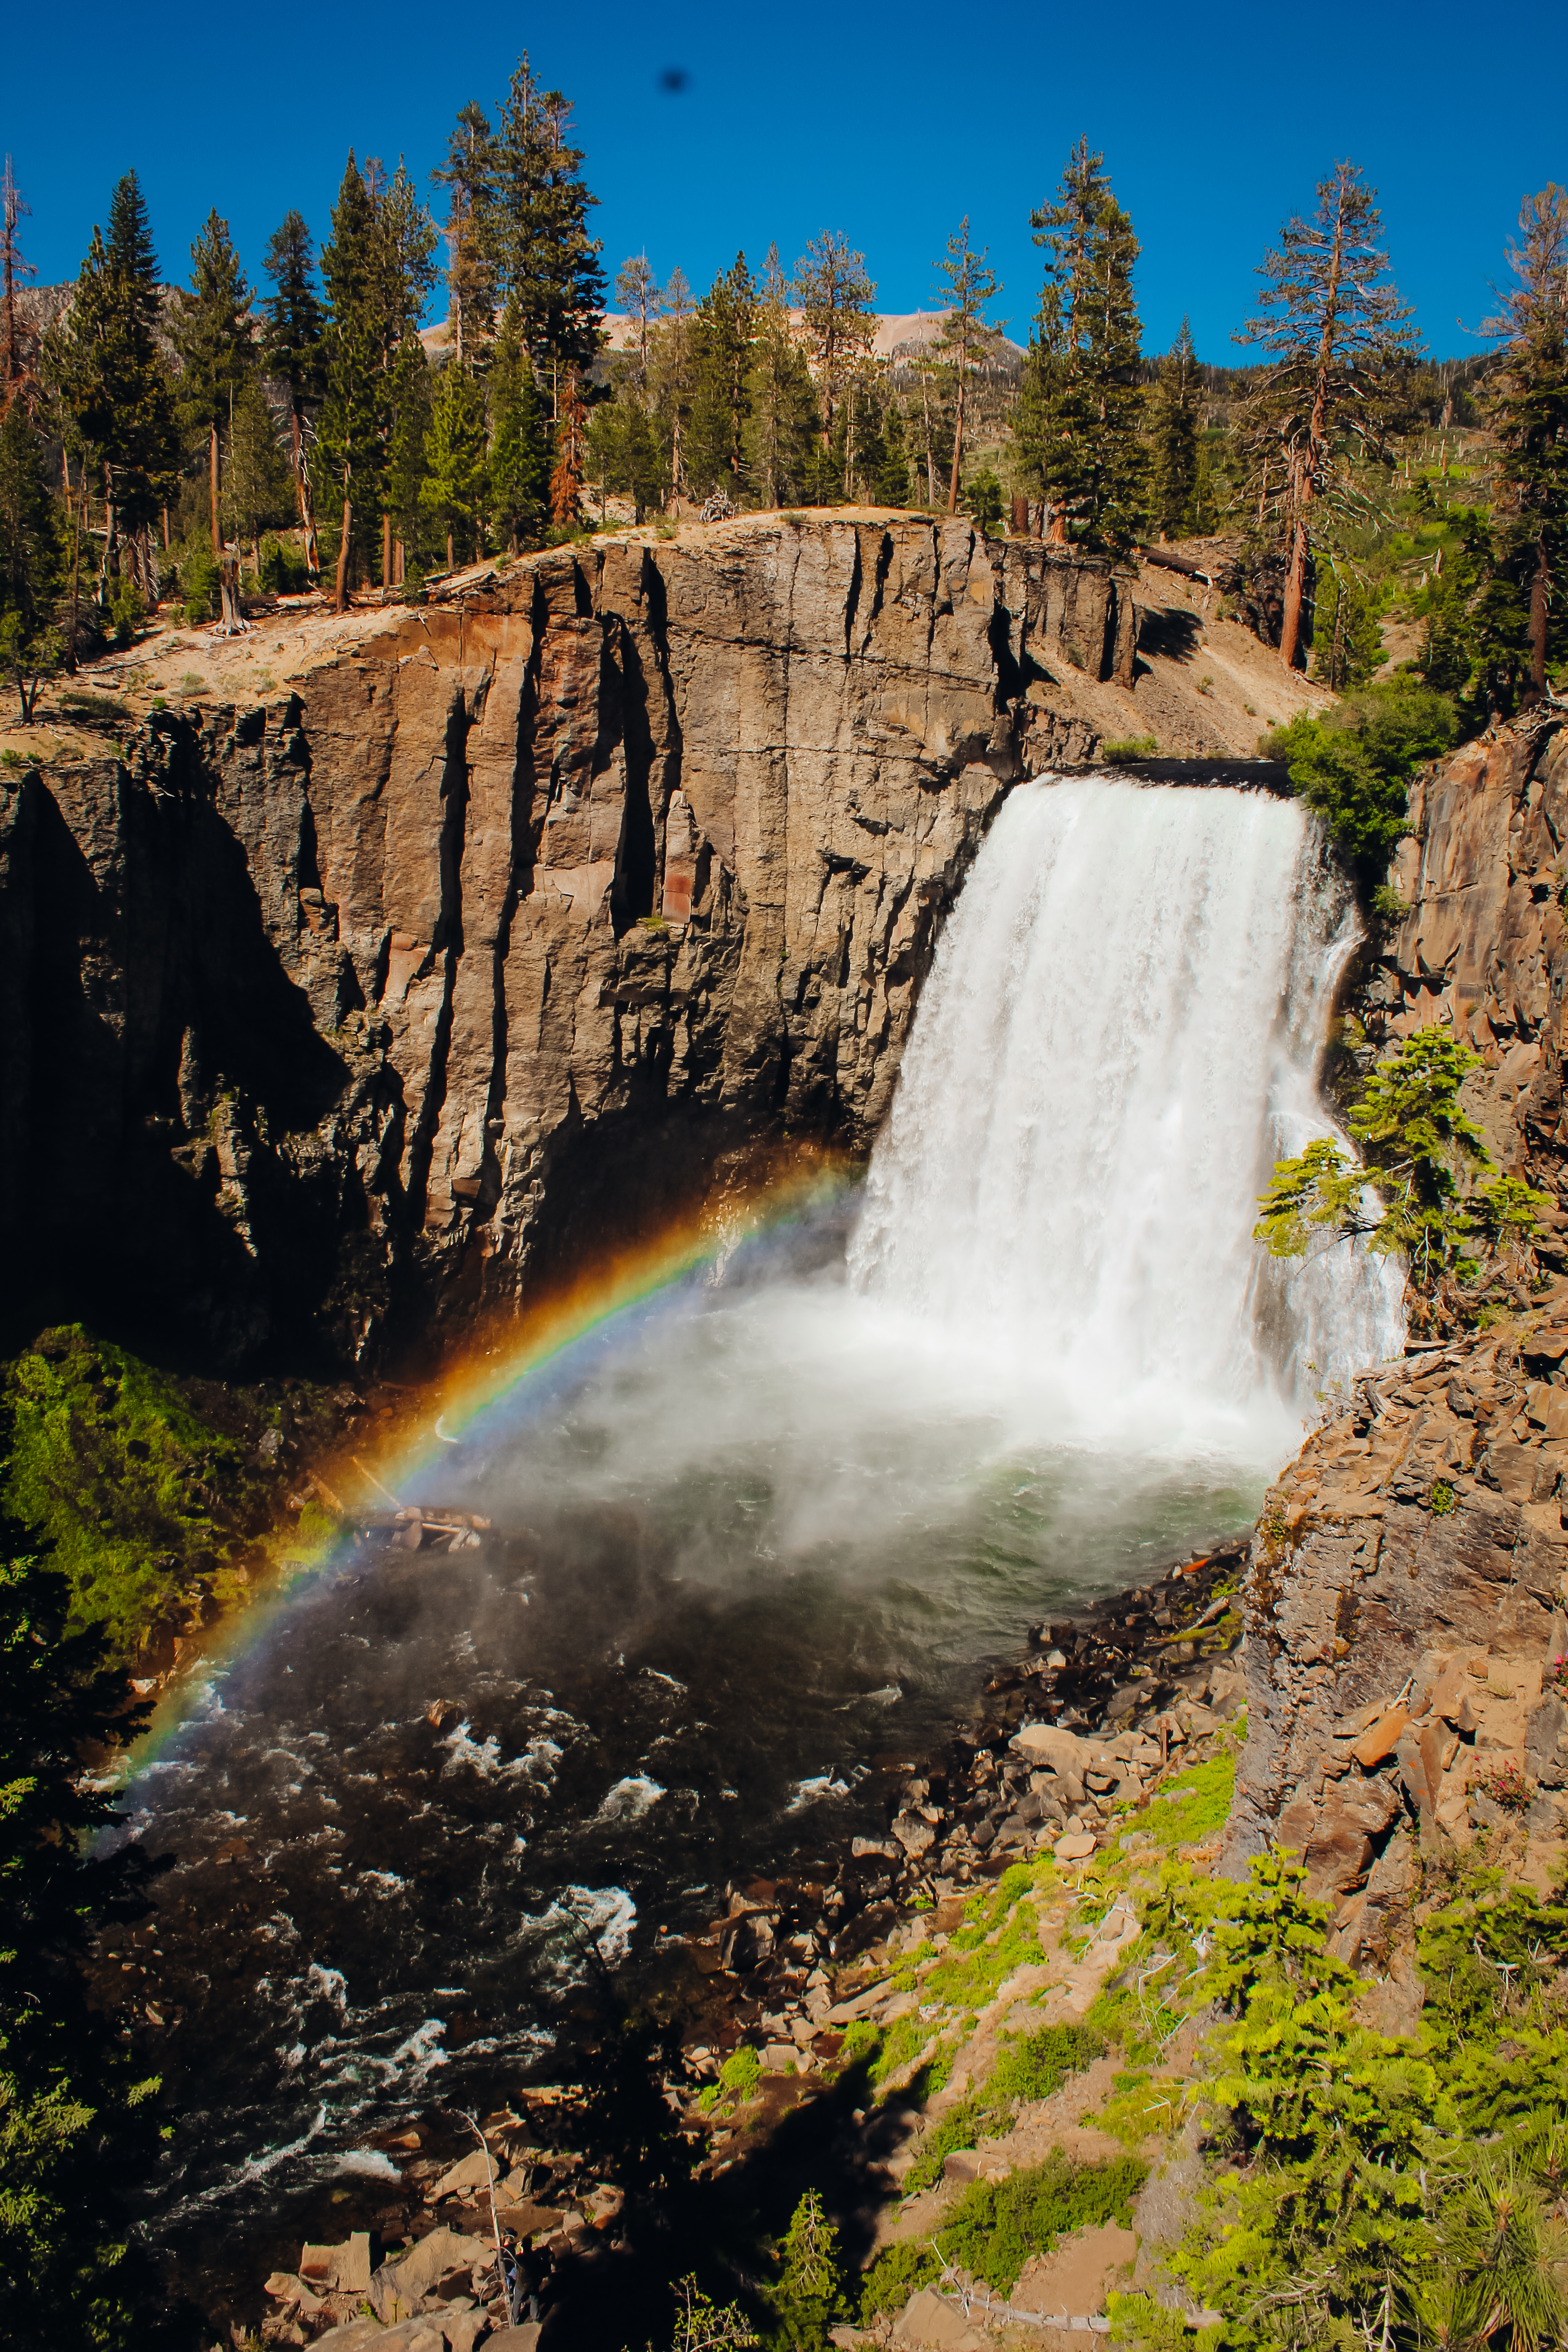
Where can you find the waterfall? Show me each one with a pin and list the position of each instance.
(1122, 1032)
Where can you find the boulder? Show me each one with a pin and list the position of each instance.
(338, 2270)
(1076, 1846)
(398, 2287)
(915, 1834)
(472, 2172)
(1380, 1739)
(929, 2319)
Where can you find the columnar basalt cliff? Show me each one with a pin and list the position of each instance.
(515, 918)
(1409, 1574)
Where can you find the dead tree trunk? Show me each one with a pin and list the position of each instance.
(212, 480)
(386, 580)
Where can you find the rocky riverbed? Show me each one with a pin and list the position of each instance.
(771, 2005)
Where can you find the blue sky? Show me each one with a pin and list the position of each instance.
(1216, 124)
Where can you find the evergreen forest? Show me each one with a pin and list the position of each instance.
(193, 446)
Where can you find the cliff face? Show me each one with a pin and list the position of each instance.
(1483, 948)
(516, 918)
(1408, 1576)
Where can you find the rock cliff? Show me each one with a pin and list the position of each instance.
(507, 924)
(1406, 1580)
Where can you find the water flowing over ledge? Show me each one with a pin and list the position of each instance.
(1122, 1032)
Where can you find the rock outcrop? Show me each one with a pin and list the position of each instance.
(1483, 948)
(507, 924)
(1407, 1575)
(1403, 1603)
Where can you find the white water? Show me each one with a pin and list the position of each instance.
(1120, 1033)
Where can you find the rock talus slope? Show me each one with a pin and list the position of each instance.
(493, 937)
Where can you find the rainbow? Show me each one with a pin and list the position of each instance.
(546, 1346)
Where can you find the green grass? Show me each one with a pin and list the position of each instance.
(738, 2080)
(1195, 1805)
(1124, 748)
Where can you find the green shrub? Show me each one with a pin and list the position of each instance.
(127, 614)
(1124, 748)
(283, 569)
(1354, 764)
(898, 2272)
(1038, 2066)
(1000, 2223)
(741, 2070)
(983, 500)
(198, 577)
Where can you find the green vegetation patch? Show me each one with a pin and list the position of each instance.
(998, 2224)
(1355, 764)
(149, 1507)
(1029, 2068)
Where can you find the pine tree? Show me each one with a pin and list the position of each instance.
(781, 419)
(256, 481)
(292, 351)
(1173, 433)
(1335, 335)
(835, 295)
(722, 362)
(402, 273)
(670, 376)
(891, 486)
(637, 291)
(520, 452)
(540, 250)
(349, 447)
(1080, 404)
(410, 423)
(212, 335)
(402, 264)
(1202, 518)
(32, 559)
(971, 289)
(107, 364)
(467, 174)
(1529, 414)
(454, 488)
(809, 2295)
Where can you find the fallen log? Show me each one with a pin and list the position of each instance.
(1168, 560)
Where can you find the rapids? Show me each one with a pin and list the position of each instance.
(765, 1526)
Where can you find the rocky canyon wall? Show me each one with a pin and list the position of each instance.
(492, 937)
(1405, 1593)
